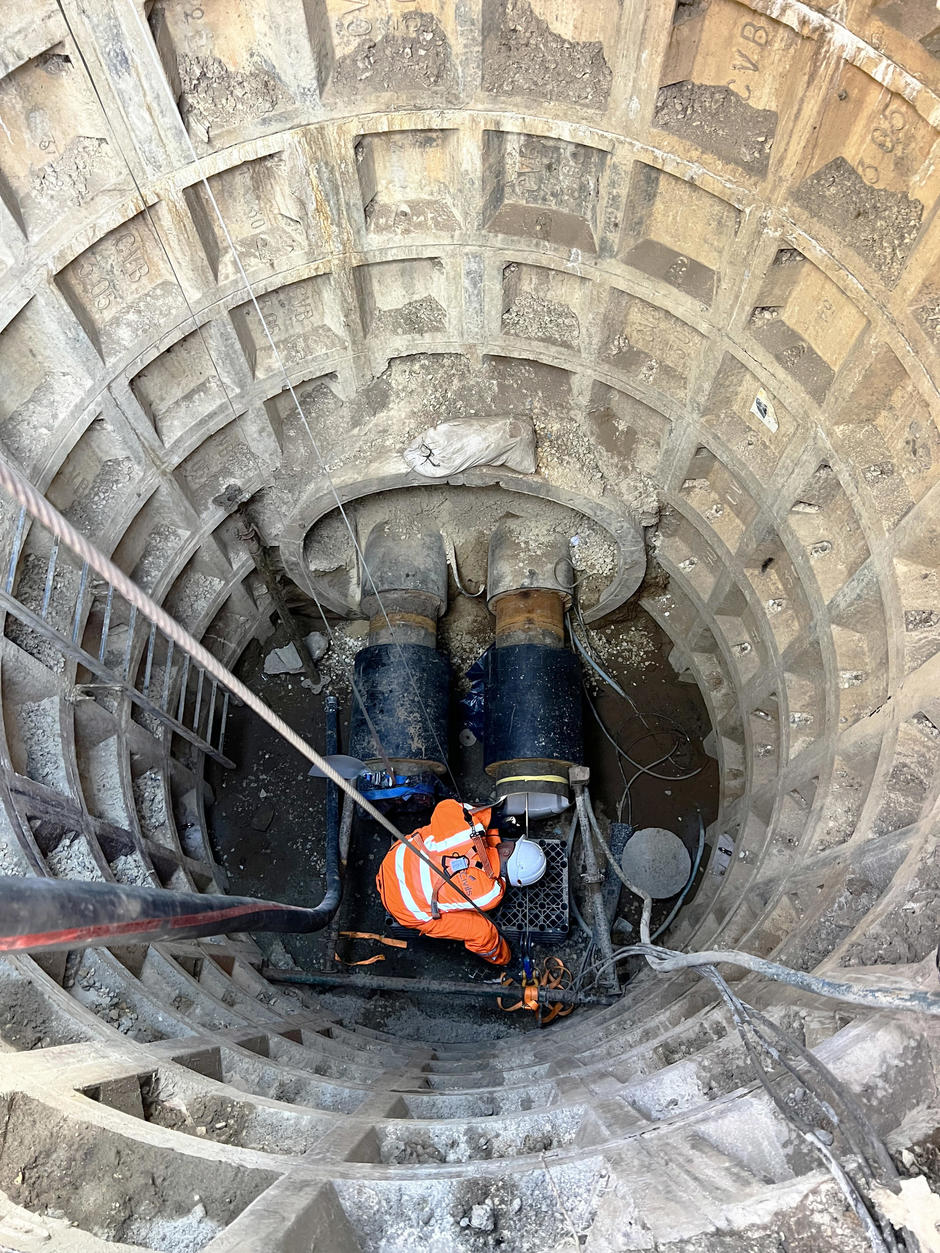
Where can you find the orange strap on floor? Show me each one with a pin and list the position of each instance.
(371, 935)
(528, 1000)
(366, 961)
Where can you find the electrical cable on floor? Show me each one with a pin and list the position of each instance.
(637, 764)
(615, 686)
(628, 783)
(148, 42)
(665, 960)
(611, 683)
(871, 1151)
(700, 849)
(591, 829)
(624, 754)
(26, 495)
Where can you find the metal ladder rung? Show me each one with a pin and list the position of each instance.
(148, 667)
(184, 684)
(198, 710)
(106, 624)
(128, 647)
(50, 577)
(211, 717)
(15, 550)
(79, 602)
(168, 674)
(223, 721)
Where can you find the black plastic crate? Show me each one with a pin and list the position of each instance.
(545, 904)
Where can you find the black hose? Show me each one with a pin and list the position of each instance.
(45, 914)
(429, 986)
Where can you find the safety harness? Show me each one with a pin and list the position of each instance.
(452, 854)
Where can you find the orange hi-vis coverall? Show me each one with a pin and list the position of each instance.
(418, 897)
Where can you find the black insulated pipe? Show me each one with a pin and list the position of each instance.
(332, 795)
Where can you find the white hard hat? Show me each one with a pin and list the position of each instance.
(525, 864)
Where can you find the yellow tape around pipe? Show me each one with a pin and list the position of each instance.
(534, 778)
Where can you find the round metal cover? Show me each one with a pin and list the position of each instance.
(657, 861)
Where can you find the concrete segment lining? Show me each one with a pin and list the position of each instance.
(700, 240)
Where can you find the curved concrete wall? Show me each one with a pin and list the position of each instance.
(697, 242)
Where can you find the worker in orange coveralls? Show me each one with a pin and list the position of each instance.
(463, 845)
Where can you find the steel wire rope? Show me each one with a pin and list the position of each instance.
(161, 74)
(236, 416)
(26, 495)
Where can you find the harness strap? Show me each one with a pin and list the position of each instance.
(479, 850)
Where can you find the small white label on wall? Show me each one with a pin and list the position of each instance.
(763, 409)
(721, 858)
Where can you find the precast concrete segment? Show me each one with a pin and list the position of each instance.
(697, 245)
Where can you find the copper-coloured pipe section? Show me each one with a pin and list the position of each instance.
(402, 627)
(533, 616)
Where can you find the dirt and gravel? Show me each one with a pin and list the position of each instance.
(720, 121)
(523, 56)
(881, 225)
(412, 54)
(136, 1193)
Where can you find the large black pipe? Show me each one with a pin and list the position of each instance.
(533, 706)
(405, 689)
(44, 914)
(332, 791)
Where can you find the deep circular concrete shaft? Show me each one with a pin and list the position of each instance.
(697, 243)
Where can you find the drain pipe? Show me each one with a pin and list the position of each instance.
(332, 791)
(578, 777)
